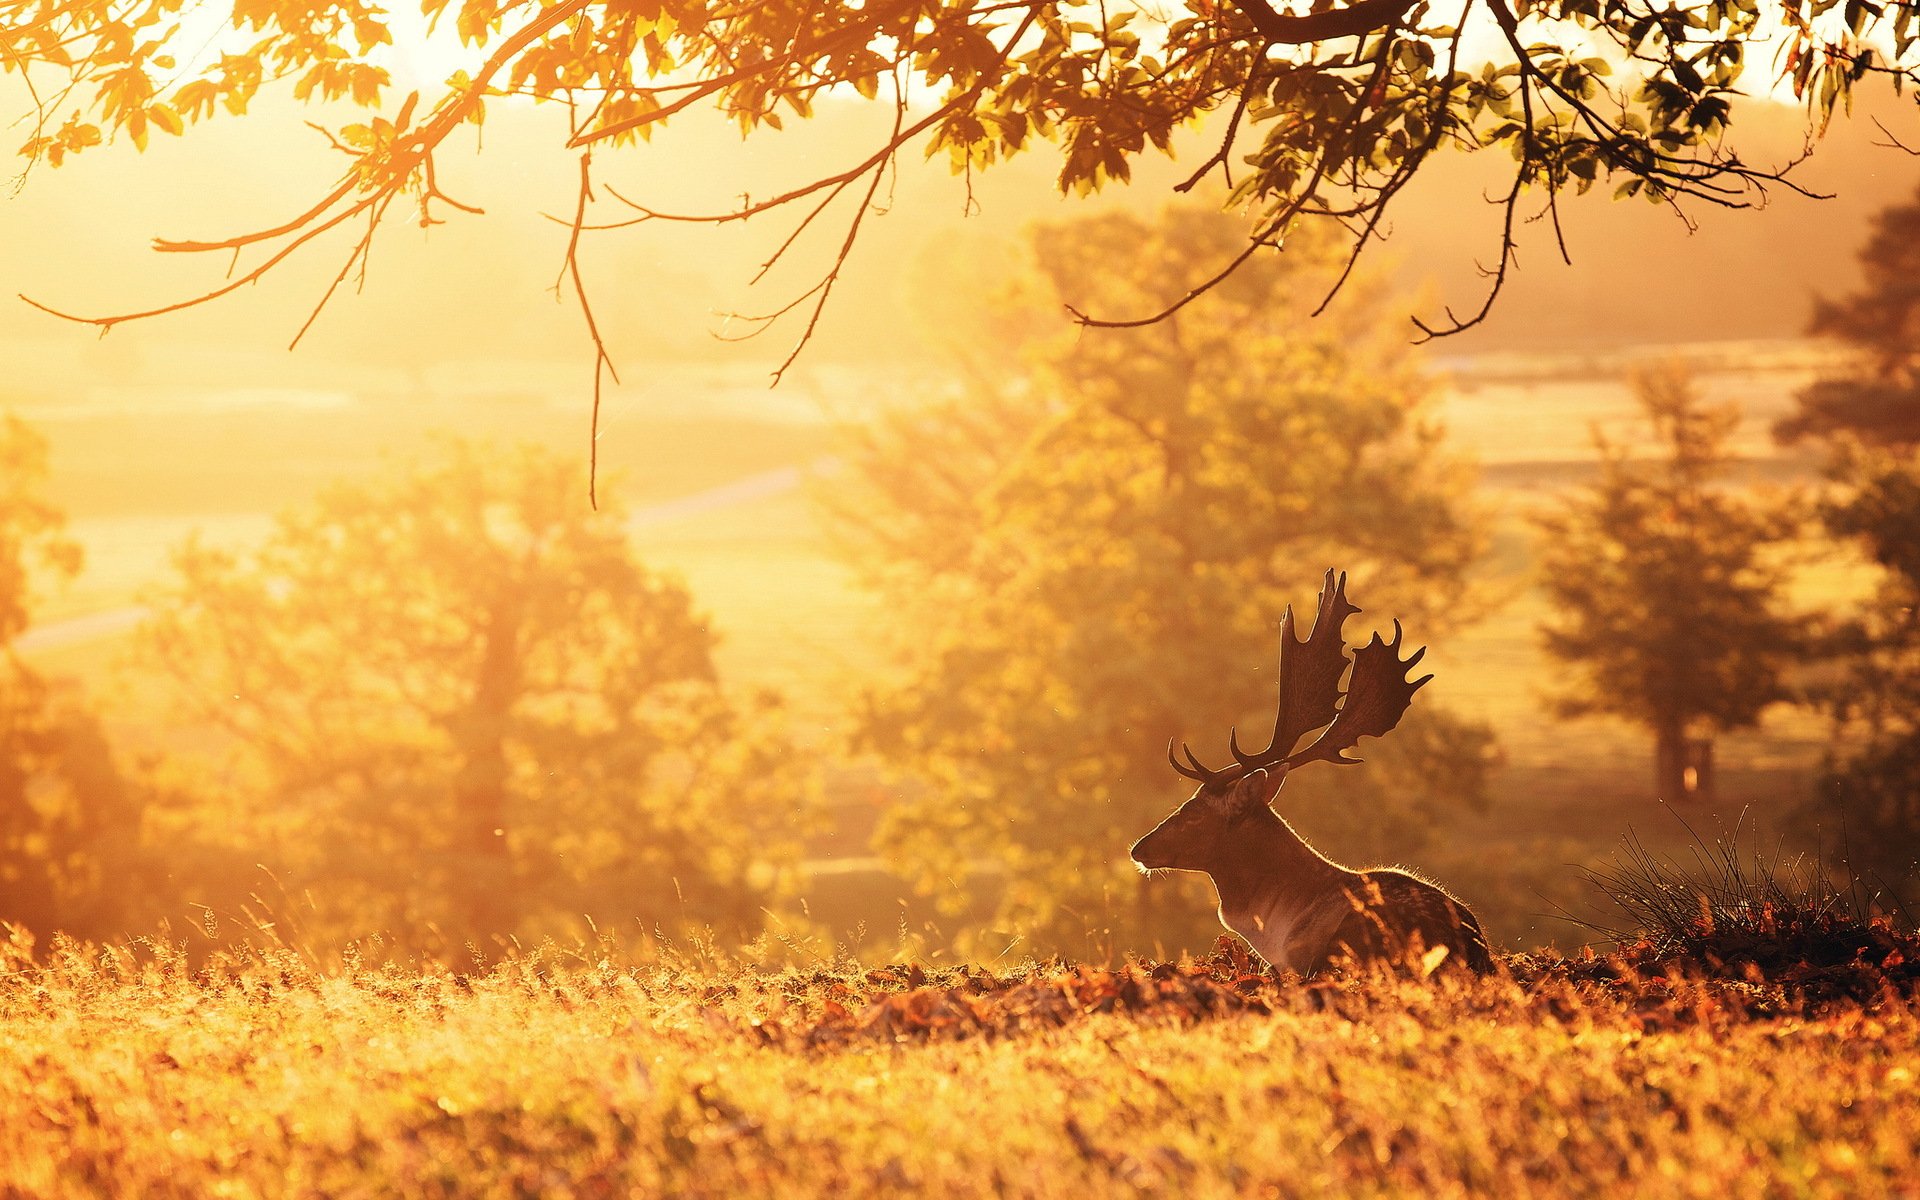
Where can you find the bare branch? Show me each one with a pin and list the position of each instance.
(824, 289)
(602, 361)
(1261, 240)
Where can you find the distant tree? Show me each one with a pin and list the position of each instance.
(1868, 416)
(1876, 396)
(1323, 116)
(1667, 602)
(1872, 789)
(1088, 552)
(31, 529)
(468, 706)
(69, 823)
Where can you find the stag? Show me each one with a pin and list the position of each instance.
(1297, 908)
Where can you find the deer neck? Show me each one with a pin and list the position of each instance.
(1269, 879)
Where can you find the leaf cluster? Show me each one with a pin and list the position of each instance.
(1328, 115)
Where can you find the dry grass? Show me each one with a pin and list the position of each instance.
(129, 1071)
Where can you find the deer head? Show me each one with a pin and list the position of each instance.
(1310, 699)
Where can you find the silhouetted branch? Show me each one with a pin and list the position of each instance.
(1353, 20)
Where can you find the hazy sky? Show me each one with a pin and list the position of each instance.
(470, 303)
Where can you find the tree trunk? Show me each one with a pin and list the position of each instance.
(1670, 761)
(483, 867)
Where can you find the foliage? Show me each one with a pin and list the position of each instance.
(1866, 415)
(69, 822)
(30, 528)
(1326, 115)
(1669, 605)
(1094, 558)
(1872, 791)
(572, 1071)
(1877, 398)
(466, 706)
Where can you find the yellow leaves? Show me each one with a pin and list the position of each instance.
(477, 18)
(334, 80)
(366, 84)
(162, 116)
(74, 136)
(370, 33)
(167, 119)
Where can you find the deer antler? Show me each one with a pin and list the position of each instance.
(1310, 674)
(1376, 700)
(1310, 698)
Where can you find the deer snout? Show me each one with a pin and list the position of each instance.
(1145, 857)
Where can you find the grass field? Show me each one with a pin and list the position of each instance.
(134, 1072)
(181, 1069)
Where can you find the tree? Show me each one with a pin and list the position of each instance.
(1093, 557)
(1868, 416)
(1873, 788)
(468, 707)
(1668, 599)
(69, 823)
(1876, 398)
(1332, 111)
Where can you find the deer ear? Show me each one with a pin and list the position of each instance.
(1257, 788)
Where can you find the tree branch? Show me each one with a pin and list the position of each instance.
(1355, 20)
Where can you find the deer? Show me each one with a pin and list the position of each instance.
(1298, 909)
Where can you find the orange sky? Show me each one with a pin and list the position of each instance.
(472, 299)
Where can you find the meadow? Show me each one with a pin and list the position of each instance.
(138, 1070)
(1743, 1056)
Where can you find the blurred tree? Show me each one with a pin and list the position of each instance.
(30, 528)
(1876, 399)
(1668, 605)
(1872, 790)
(1087, 555)
(1868, 415)
(1325, 115)
(69, 824)
(470, 706)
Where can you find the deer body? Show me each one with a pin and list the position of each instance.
(1298, 909)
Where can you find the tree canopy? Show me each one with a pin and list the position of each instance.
(1668, 598)
(1876, 397)
(70, 824)
(459, 701)
(1867, 413)
(1325, 112)
(1094, 557)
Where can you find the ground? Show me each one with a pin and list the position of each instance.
(132, 1071)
